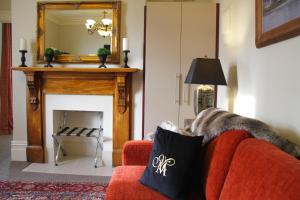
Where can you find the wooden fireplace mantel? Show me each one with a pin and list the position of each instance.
(81, 81)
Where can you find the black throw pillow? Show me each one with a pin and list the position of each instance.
(172, 163)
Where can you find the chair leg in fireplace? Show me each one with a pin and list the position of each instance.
(99, 149)
(57, 148)
(57, 154)
(61, 147)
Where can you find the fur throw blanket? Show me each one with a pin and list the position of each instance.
(212, 122)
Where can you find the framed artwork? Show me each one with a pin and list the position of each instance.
(276, 20)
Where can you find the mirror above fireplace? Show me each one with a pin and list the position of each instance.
(78, 29)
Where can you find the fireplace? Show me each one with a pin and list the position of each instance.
(41, 82)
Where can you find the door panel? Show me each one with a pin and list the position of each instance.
(163, 28)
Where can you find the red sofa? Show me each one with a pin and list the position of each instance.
(235, 166)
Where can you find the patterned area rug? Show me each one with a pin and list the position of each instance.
(54, 191)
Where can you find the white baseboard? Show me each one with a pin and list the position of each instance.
(18, 150)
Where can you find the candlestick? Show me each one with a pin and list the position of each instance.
(23, 45)
(125, 44)
(126, 59)
(23, 58)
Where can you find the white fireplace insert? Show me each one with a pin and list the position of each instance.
(82, 111)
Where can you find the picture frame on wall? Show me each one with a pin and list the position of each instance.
(276, 20)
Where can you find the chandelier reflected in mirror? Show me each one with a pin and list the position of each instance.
(104, 27)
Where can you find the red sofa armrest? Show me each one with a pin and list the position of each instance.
(136, 152)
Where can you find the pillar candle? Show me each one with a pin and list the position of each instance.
(23, 45)
(125, 44)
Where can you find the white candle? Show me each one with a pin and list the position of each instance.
(23, 44)
(125, 44)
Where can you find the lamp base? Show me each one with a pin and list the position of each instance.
(204, 97)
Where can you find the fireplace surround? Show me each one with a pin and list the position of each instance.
(76, 81)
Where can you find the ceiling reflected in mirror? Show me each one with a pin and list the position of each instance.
(102, 26)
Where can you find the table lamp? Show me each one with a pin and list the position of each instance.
(208, 73)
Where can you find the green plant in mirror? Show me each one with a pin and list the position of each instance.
(57, 52)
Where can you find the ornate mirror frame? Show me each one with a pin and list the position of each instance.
(115, 48)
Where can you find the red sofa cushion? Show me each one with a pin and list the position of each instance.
(125, 185)
(217, 160)
(261, 171)
(136, 152)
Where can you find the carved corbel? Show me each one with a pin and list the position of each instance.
(121, 85)
(32, 90)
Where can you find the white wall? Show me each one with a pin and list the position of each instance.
(262, 83)
(132, 26)
(24, 26)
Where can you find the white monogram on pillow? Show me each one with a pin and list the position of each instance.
(161, 162)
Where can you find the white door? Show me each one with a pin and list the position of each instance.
(163, 28)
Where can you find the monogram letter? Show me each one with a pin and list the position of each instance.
(161, 163)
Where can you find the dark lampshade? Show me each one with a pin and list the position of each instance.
(206, 71)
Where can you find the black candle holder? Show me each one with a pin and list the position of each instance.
(126, 59)
(23, 58)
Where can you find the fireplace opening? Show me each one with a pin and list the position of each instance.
(79, 126)
(85, 123)
(81, 111)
